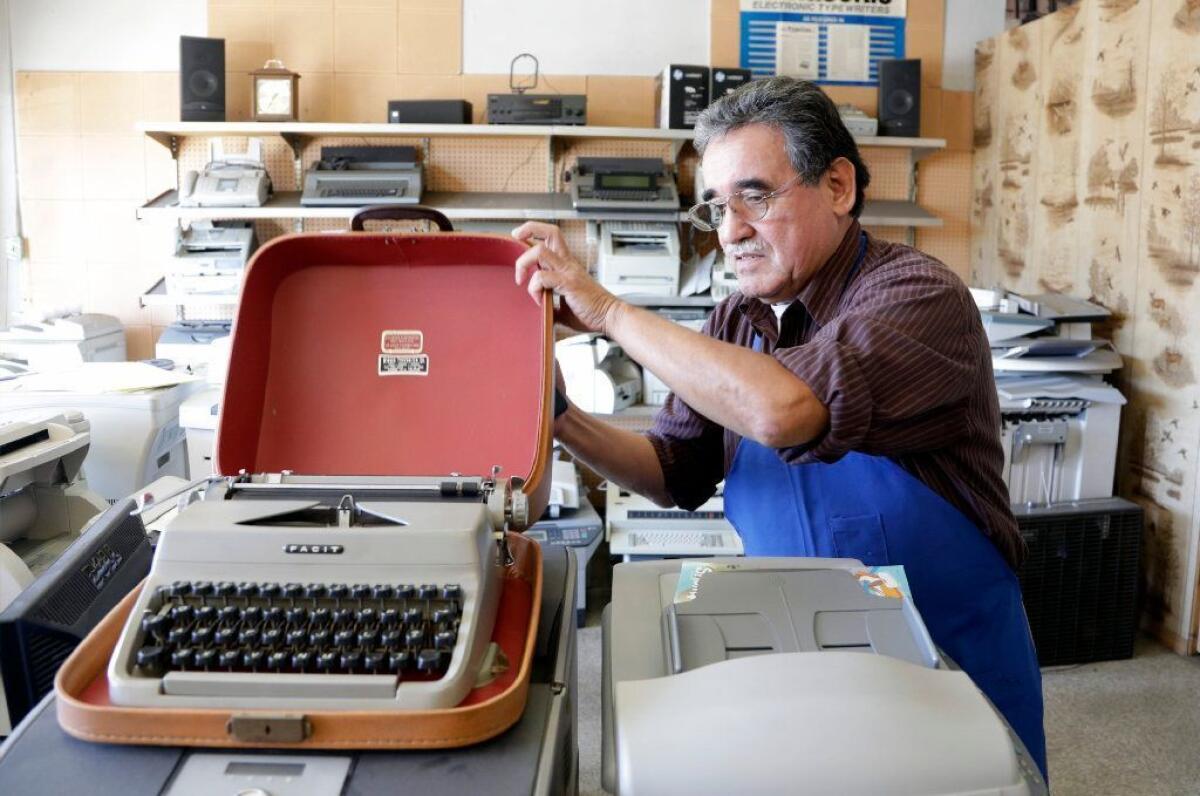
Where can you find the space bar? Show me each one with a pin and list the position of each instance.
(293, 686)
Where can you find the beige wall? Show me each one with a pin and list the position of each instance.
(1079, 189)
(84, 171)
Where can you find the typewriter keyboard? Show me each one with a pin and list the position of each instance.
(391, 629)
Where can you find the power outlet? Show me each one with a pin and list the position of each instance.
(14, 247)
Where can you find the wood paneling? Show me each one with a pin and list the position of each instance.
(1116, 218)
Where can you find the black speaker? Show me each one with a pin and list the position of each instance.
(201, 79)
(900, 97)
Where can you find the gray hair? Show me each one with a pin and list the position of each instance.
(809, 120)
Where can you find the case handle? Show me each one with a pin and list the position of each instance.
(400, 213)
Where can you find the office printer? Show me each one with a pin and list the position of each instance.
(1043, 333)
(42, 507)
(599, 377)
(57, 342)
(363, 175)
(187, 344)
(639, 257)
(643, 184)
(773, 675)
(228, 180)
(210, 259)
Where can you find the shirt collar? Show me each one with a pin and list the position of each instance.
(823, 292)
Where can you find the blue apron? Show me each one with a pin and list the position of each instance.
(872, 509)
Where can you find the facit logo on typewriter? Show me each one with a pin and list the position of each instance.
(314, 549)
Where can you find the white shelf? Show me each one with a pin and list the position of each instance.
(165, 132)
(472, 205)
(704, 300)
(157, 296)
(479, 206)
(888, 213)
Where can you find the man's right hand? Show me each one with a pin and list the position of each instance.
(548, 265)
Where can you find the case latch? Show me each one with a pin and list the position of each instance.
(268, 729)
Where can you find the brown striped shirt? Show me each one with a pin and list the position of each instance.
(896, 351)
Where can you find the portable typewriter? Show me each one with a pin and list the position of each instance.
(322, 570)
(295, 590)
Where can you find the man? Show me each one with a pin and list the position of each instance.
(844, 393)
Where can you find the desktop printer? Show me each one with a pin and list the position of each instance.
(42, 507)
(636, 528)
(363, 175)
(642, 184)
(599, 377)
(639, 257)
(778, 675)
(210, 259)
(187, 344)
(66, 341)
(228, 180)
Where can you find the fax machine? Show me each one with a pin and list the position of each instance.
(643, 184)
(210, 259)
(637, 528)
(599, 377)
(771, 674)
(363, 175)
(639, 257)
(228, 180)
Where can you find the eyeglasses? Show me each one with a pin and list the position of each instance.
(749, 205)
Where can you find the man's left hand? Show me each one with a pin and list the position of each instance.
(548, 265)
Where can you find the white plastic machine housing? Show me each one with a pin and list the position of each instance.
(135, 436)
(599, 377)
(64, 342)
(1059, 436)
(636, 526)
(639, 257)
(821, 721)
(199, 412)
(42, 508)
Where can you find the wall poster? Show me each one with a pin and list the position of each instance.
(835, 42)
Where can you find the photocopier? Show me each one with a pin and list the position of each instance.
(786, 675)
(135, 433)
(1060, 418)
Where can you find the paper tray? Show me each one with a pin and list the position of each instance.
(85, 712)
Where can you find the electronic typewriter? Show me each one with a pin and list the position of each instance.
(363, 175)
(380, 593)
(323, 569)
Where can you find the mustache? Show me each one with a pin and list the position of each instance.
(745, 247)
